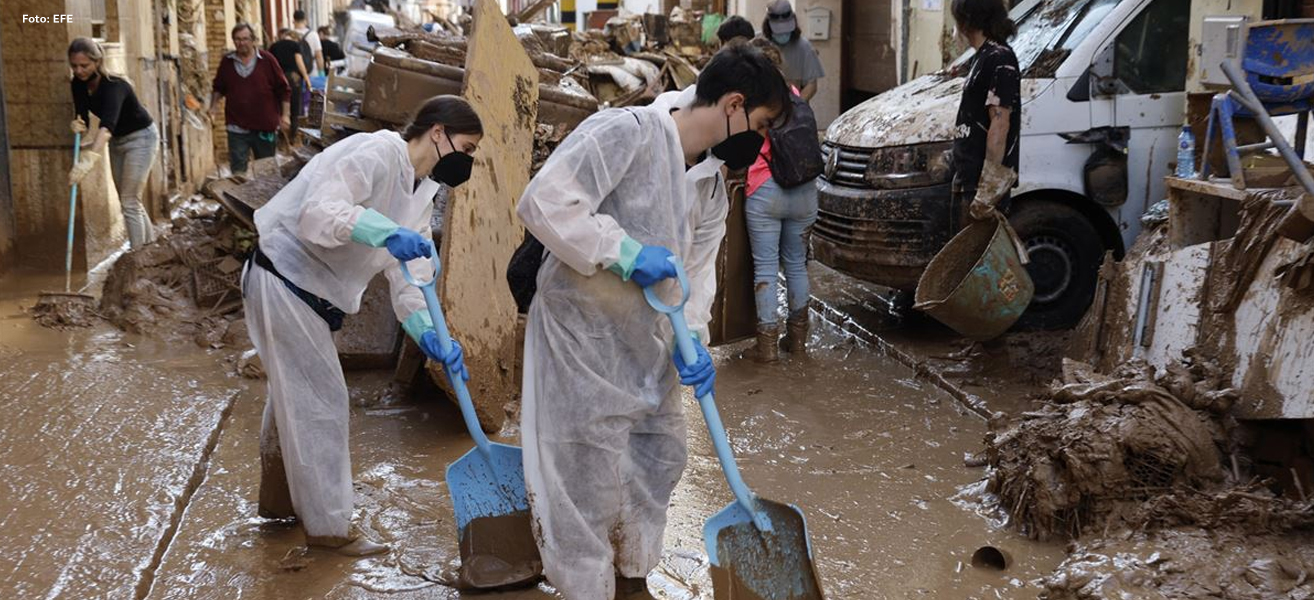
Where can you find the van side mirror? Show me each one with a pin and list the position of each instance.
(1103, 83)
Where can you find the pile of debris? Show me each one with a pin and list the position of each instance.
(185, 284)
(1103, 445)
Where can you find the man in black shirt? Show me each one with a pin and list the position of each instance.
(990, 114)
(332, 51)
(290, 58)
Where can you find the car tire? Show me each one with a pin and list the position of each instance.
(1066, 251)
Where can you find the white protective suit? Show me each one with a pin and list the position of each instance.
(603, 428)
(306, 230)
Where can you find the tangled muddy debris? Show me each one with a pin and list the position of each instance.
(1140, 469)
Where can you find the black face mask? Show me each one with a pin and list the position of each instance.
(741, 149)
(454, 168)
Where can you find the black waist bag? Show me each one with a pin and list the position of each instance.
(332, 315)
(522, 271)
(795, 149)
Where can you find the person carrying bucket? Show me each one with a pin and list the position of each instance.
(978, 284)
(602, 425)
(354, 210)
(989, 114)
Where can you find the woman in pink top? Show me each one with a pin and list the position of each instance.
(779, 220)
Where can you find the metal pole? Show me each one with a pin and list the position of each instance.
(1246, 97)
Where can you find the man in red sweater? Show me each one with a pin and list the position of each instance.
(258, 99)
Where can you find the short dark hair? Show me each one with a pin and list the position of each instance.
(734, 27)
(739, 67)
(452, 112)
(324, 30)
(298, 15)
(990, 17)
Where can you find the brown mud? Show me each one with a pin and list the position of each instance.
(763, 565)
(499, 552)
(134, 468)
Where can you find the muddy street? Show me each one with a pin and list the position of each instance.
(132, 471)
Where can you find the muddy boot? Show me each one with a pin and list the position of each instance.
(765, 350)
(795, 340)
(275, 497)
(355, 544)
(632, 588)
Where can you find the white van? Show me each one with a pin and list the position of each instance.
(1091, 68)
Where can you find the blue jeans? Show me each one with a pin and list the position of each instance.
(131, 157)
(241, 144)
(778, 224)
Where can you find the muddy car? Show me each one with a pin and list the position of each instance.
(1103, 102)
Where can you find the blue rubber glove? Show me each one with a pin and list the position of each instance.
(701, 375)
(453, 360)
(652, 266)
(405, 244)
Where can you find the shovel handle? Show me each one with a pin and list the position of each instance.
(430, 291)
(685, 345)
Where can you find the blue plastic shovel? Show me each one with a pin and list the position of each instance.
(758, 549)
(487, 486)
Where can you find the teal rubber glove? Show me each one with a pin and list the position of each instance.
(405, 244)
(701, 375)
(454, 360)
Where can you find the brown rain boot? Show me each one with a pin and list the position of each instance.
(795, 340)
(765, 350)
(633, 588)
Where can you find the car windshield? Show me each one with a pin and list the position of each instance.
(1047, 31)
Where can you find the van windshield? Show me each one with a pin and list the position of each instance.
(1048, 31)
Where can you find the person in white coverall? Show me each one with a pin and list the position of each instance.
(354, 210)
(603, 429)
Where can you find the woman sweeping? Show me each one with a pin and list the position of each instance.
(354, 210)
(125, 127)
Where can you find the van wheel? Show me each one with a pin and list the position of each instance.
(1066, 251)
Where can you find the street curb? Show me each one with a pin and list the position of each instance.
(922, 368)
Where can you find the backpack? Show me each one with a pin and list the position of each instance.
(307, 54)
(795, 148)
(522, 271)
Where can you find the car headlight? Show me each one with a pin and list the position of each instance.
(920, 165)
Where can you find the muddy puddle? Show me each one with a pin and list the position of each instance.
(132, 470)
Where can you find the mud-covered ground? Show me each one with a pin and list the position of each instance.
(131, 471)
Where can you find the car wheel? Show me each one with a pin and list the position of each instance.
(1065, 251)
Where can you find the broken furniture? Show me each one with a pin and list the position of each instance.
(396, 83)
(1276, 78)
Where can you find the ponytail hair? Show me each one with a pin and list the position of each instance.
(990, 17)
(452, 112)
(93, 51)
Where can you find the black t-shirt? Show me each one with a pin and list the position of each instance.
(993, 80)
(332, 51)
(286, 52)
(114, 102)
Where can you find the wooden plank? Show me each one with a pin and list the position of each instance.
(481, 229)
(357, 124)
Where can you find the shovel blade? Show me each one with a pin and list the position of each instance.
(748, 564)
(492, 517)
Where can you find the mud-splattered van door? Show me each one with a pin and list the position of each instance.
(1149, 62)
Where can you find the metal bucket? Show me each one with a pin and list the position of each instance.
(977, 284)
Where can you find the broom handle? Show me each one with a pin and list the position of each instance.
(72, 217)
